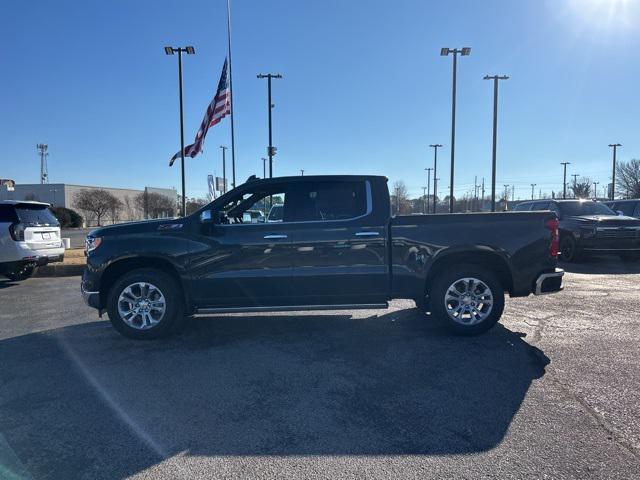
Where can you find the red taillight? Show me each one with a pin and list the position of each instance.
(16, 230)
(554, 247)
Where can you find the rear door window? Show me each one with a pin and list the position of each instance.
(329, 201)
(523, 207)
(636, 212)
(626, 208)
(36, 215)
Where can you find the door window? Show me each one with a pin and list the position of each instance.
(329, 201)
(541, 206)
(626, 208)
(253, 207)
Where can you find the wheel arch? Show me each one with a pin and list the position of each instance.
(119, 267)
(490, 260)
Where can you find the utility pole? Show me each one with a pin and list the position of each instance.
(482, 202)
(224, 168)
(513, 190)
(424, 196)
(564, 181)
(42, 150)
(613, 175)
(435, 147)
(575, 182)
(595, 190)
(301, 172)
(426, 199)
(495, 79)
(506, 194)
(271, 150)
(533, 185)
(465, 51)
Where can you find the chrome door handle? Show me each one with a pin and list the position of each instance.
(367, 234)
(274, 237)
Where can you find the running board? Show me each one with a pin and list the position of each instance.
(292, 308)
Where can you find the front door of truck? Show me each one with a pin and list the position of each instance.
(244, 260)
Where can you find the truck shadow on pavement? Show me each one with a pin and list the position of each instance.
(81, 401)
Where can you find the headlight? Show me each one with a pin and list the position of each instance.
(91, 243)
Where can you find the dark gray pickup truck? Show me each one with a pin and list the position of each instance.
(336, 246)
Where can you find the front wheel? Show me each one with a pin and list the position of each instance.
(145, 304)
(470, 300)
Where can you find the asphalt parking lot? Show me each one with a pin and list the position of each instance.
(552, 392)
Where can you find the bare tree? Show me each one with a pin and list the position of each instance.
(155, 205)
(194, 204)
(628, 178)
(399, 198)
(97, 202)
(582, 188)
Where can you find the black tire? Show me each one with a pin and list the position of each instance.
(569, 251)
(441, 310)
(173, 319)
(630, 256)
(20, 274)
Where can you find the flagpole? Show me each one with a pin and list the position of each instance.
(233, 142)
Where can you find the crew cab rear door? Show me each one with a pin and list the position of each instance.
(338, 243)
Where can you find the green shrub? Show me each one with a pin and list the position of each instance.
(68, 218)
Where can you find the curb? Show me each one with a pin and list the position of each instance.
(59, 270)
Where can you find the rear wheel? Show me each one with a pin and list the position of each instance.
(145, 304)
(21, 273)
(569, 249)
(470, 300)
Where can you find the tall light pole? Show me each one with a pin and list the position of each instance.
(424, 195)
(564, 181)
(595, 190)
(575, 182)
(264, 167)
(435, 147)
(465, 51)
(189, 51)
(506, 194)
(271, 151)
(495, 79)
(613, 174)
(426, 199)
(224, 168)
(533, 185)
(301, 172)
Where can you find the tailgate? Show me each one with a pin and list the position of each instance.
(41, 238)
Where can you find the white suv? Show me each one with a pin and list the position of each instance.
(29, 237)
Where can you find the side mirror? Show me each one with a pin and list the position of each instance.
(206, 217)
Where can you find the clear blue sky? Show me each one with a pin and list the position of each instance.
(364, 88)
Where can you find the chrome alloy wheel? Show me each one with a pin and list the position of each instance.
(468, 301)
(141, 305)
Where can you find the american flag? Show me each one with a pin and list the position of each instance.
(219, 107)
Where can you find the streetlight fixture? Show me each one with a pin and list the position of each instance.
(189, 51)
(564, 181)
(533, 185)
(271, 150)
(613, 175)
(435, 147)
(495, 79)
(465, 51)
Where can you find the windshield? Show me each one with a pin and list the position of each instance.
(36, 215)
(584, 208)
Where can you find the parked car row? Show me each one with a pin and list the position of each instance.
(591, 227)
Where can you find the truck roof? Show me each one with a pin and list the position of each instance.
(317, 178)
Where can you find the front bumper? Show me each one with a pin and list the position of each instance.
(92, 299)
(549, 282)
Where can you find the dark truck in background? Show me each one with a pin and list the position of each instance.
(336, 247)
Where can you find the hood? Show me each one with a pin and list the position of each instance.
(139, 227)
(607, 220)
